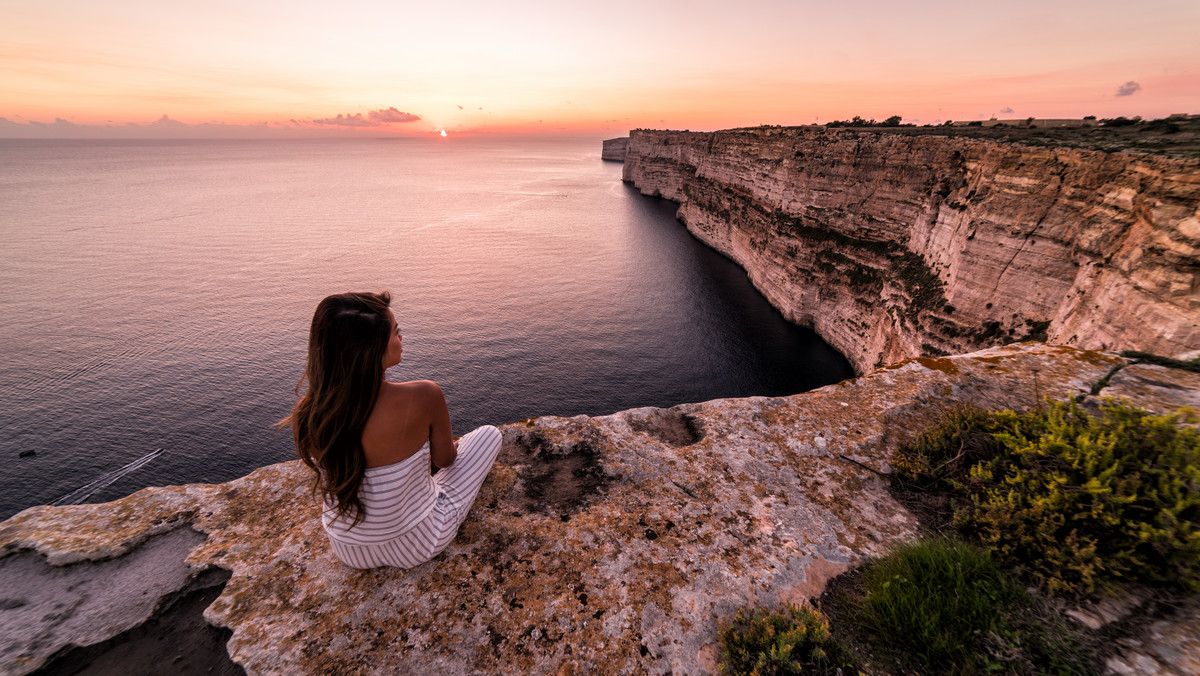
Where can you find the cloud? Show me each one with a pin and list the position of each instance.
(374, 118)
(355, 120)
(459, 107)
(58, 122)
(1006, 109)
(389, 115)
(1128, 88)
(165, 127)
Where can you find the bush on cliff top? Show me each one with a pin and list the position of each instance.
(1078, 503)
(857, 121)
(792, 640)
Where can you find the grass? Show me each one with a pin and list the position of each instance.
(939, 597)
(944, 606)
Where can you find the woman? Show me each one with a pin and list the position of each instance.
(395, 484)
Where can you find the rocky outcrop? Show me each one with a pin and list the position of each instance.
(608, 544)
(894, 246)
(615, 149)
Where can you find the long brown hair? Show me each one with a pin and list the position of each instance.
(346, 345)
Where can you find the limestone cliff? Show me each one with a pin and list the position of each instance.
(893, 246)
(614, 149)
(598, 545)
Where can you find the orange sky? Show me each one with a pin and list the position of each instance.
(220, 68)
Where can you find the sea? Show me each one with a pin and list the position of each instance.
(155, 297)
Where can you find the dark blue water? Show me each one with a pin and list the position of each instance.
(158, 294)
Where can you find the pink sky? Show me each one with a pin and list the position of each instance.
(221, 68)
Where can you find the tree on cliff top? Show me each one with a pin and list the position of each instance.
(856, 121)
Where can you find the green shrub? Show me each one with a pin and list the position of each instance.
(1078, 503)
(792, 640)
(941, 601)
(939, 456)
(1119, 121)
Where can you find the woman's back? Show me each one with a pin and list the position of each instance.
(371, 443)
(405, 417)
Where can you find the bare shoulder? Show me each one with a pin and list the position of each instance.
(415, 391)
(419, 387)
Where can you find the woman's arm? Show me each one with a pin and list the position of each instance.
(442, 451)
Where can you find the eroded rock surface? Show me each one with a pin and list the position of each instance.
(47, 608)
(893, 247)
(613, 544)
(1169, 646)
(1153, 387)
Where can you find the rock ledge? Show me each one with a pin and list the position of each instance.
(608, 544)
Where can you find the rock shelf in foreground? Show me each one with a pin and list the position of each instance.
(608, 544)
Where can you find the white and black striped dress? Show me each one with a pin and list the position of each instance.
(412, 516)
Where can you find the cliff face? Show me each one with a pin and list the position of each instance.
(892, 247)
(614, 149)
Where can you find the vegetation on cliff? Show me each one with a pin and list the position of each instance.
(793, 640)
(1071, 503)
(933, 606)
(856, 121)
(1075, 502)
(946, 606)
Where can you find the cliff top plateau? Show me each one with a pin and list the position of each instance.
(1175, 136)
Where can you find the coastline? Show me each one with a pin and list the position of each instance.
(893, 246)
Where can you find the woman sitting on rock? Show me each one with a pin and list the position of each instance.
(395, 484)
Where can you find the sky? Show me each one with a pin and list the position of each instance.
(149, 68)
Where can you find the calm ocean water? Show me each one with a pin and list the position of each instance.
(158, 295)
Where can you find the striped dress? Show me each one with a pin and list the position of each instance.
(411, 516)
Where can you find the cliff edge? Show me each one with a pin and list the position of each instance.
(893, 246)
(613, 544)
